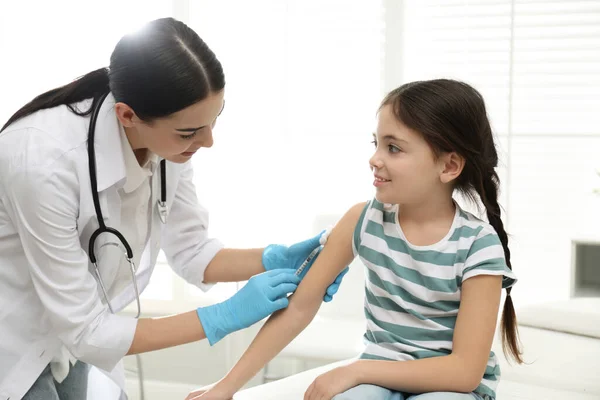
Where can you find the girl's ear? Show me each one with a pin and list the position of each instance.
(452, 165)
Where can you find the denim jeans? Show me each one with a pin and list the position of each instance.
(372, 392)
(74, 387)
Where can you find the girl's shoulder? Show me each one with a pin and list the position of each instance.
(477, 227)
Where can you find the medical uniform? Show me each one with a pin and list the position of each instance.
(51, 306)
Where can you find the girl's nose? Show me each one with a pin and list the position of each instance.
(375, 162)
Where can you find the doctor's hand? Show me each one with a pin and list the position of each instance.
(263, 295)
(277, 256)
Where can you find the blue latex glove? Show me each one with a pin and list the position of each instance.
(263, 295)
(277, 256)
(333, 288)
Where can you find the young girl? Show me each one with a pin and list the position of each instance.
(434, 272)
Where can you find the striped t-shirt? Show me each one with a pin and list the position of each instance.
(412, 293)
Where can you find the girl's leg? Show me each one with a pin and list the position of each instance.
(368, 392)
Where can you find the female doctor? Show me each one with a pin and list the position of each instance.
(83, 181)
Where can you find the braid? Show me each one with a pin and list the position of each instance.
(490, 201)
(488, 191)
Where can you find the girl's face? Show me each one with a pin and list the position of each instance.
(178, 136)
(404, 166)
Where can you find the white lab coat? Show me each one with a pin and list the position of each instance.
(48, 295)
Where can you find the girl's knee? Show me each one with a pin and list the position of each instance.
(350, 394)
(365, 392)
(443, 396)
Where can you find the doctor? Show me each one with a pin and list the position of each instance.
(86, 202)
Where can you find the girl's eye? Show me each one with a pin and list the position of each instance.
(393, 149)
(191, 135)
(374, 142)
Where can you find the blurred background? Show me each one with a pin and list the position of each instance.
(304, 81)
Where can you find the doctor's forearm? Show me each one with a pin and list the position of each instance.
(234, 265)
(160, 333)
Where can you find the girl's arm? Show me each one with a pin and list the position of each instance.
(461, 371)
(284, 326)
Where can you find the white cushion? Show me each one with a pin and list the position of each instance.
(560, 366)
(580, 316)
(509, 390)
(293, 388)
(554, 360)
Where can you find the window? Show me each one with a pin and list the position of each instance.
(536, 64)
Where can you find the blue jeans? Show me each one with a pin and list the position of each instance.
(74, 387)
(372, 392)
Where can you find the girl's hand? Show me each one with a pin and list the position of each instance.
(194, 394)
(210, 392)
(331, 383)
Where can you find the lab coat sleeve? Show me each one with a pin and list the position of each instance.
(185, 239)
(43, 204)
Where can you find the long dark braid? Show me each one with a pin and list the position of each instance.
(488, 192)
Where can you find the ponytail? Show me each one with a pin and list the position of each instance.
(92, 85)
(488, 192)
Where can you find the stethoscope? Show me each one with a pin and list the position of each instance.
(161, 204)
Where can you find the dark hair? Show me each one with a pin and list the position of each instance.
(451, 116)
(158, 70)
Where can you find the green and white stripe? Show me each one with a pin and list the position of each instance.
(412, 293)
